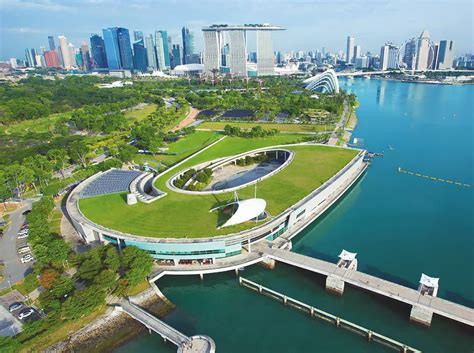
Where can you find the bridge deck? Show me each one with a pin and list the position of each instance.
(155, 324)
(396, 291)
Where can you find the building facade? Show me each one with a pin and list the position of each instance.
(112, 50)
(188, 45)
(99, 57)
(445, 55)
(423, 51)
(140, 62)
(68, 60)
(350, 50)
(150, 53)
(265, 58)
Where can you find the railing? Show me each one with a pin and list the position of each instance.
(322, 315)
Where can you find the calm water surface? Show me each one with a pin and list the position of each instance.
(400, 226)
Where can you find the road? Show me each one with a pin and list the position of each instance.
(13, 270)
(334, 138)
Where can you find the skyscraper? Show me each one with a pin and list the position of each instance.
(423, 51)
(150, 53)
(112, 50)
(238, 53)
(357, 53)
(137, 35)
(30, 61)
(86, 57)
(51, 58)
(212, 52)
(176, 56)
(52, 46)
(99, 57)
(125, 48)
(410, 54)
(265, 60)
(384, 57)
(140, 56)
(392, 56)
(445, 55)
(350, 50)
(68, 61)
(188, 44)
(162, 49)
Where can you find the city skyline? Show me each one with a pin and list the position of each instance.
(25, 23)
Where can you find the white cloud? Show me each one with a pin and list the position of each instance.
(25, 30)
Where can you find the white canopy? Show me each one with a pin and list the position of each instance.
(347, 256)
(246, 210)
(429, 281)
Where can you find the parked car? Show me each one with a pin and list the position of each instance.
(15, 306)
(23, 234)
(25, 313)
(24, 226)
(27, 258)
(23, 249)
(26, 212)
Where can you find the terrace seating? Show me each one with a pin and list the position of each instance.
(112, 181)
(143, 188)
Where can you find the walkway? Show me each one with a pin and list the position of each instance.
(185, 344)
(374, 284)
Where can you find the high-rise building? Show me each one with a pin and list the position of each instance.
(68, 60)
(238, 53)
(213, 51)
(188, 44)
(265, 59)
(350, 50)
(112, 50)
(137, 36)
(99, 57)
(13, 63)
(423, 51)
(150, 53)
(30, 61)
(86, 57)
(125, 48)
(278, 57)
(140, 57)
(357, 53)
(175, 56)
(410, 54)
(383, 64)
(392, 57)
(445, 55)
(51, 58)
(52, 46)
(362, 62)
(233, 54)
(162, 50)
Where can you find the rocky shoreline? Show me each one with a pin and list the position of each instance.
(113, 328)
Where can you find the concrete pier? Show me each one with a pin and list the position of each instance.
(424, 306)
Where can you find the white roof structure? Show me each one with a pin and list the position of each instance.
(246, 210)
(347, 256)
(429, 281)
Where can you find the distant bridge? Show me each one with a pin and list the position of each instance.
(360, 73)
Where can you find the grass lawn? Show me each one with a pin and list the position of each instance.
(179, 215)
(55, 221)
(181, 149)
(140, 114)
(40, 125)
(302, 128)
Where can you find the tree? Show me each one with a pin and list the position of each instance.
(112, 259)
(83, 302)
(41, 167)
(78, 151)
(106, 280)
(18, 177)
(138, 263)
(126, 152)
(90, 268)
(61, 287)
(60, 158)
(48, 277)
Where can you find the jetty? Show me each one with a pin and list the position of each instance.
(185, 344)
(423, 304)
(325, 316)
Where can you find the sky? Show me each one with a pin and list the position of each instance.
(310, 24)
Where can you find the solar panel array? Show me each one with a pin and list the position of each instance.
(110, 182)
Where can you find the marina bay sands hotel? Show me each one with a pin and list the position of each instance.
(226, 48)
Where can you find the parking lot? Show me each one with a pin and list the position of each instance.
(13, 269)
